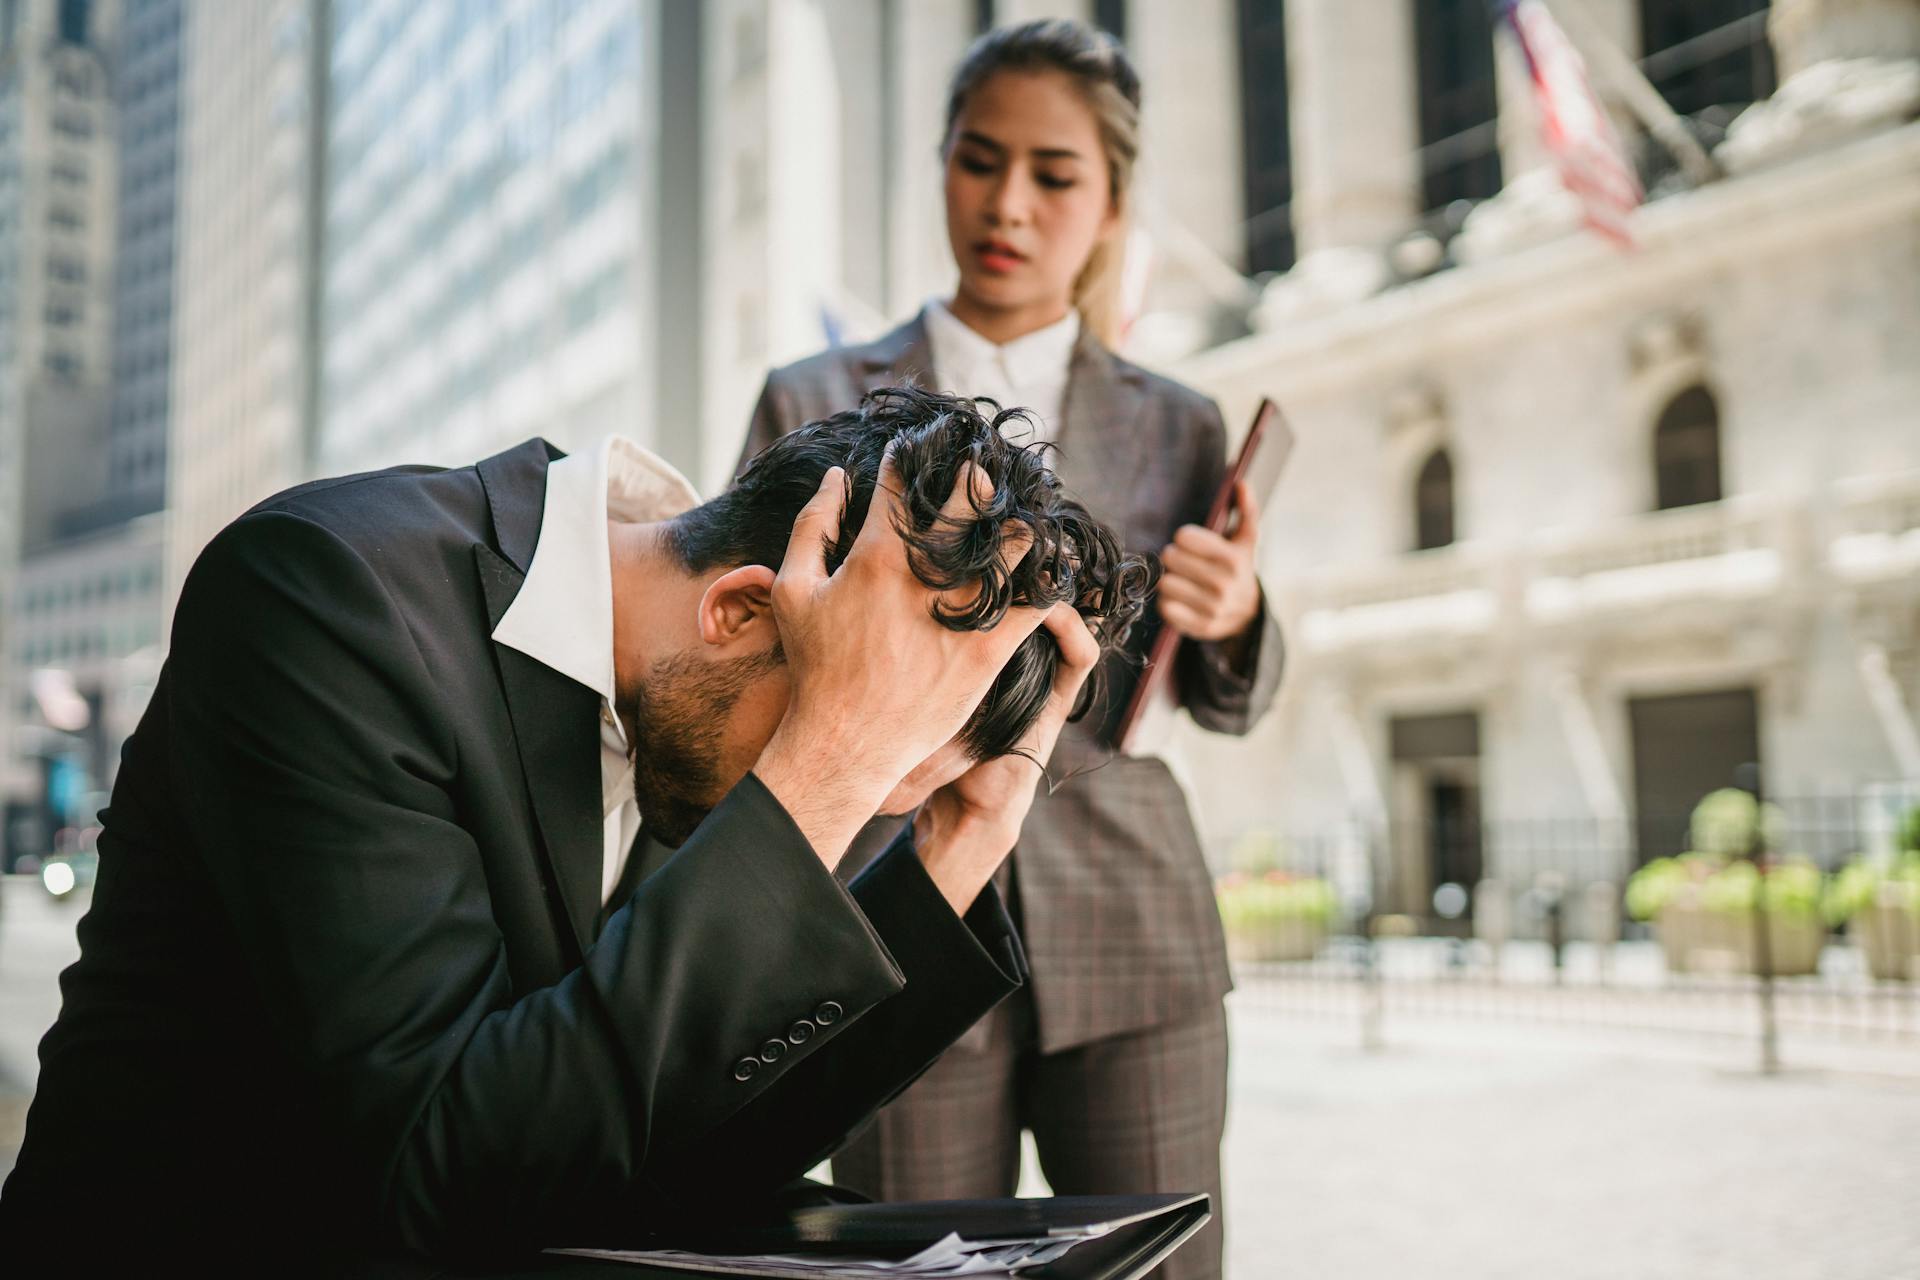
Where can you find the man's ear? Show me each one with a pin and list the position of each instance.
(738, 607)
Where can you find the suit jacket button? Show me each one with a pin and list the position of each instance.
(772, 1051)
(828, 1013)
(800, 1032)
(746, 1068)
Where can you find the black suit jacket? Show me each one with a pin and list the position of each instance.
(346, 978)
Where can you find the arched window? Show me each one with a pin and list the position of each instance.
(1686, 450)
(1433, 502)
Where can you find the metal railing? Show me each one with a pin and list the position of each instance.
(1542, 934)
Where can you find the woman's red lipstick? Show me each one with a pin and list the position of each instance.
(997, 257)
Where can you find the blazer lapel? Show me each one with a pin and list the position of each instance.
(901, 356)
(1101, 455)
(555, 719)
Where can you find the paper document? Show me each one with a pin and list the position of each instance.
(951, 1256)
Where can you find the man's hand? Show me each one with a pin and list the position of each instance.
(1208, 590)
(968, 827)
(878, 684)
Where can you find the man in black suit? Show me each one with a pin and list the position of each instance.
(371, 964)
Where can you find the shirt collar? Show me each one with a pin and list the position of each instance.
(563, 616)
(1032, 358)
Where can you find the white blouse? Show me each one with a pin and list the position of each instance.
(1030, 372)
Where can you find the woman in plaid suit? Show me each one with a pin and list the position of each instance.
(1115, 1055)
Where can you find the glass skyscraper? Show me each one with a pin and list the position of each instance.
(484, 272)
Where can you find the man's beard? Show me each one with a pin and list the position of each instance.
(676, 715)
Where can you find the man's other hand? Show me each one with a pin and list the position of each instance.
(878, 683)
(968, 827)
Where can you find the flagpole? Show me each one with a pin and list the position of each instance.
(1636, 91)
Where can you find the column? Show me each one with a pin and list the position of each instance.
(1355, 123)
(1190, 173)
(929, 37)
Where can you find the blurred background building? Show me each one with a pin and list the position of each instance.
(246, 355)
(86, 203)
(1575, 532)
(488, 230)
(1571, 532)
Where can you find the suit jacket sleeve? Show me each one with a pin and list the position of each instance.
(471, 1117)
(1220, 696)
(771, 1139)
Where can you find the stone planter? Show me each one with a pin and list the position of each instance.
(1286, 938)
(1696, 940)
(1890, 935)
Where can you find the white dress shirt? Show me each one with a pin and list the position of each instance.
(1028, 373)
(563, 616)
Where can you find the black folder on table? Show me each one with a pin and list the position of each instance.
(1144, 1229)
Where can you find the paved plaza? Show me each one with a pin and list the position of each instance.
(1465, 1148)
(1486, 1152)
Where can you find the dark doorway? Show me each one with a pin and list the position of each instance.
(1435, 814)
(1453, 829)
(1684, 746)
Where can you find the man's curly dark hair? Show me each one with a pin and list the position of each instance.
(1074, 557)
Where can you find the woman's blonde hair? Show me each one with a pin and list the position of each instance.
(1098, 66)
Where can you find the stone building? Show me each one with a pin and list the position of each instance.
(64, 507)
(1572, 532)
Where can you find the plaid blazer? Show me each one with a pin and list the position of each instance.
(1113, 893)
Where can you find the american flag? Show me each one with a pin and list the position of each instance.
(1593, 163)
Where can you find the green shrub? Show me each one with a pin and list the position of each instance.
(1792, 886)
(1724, 820)
(1865, 881)
(1660, 882)
(1716, 874)
(1909, 832)
(1256, 902)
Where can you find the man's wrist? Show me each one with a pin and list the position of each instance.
(827, 797)
(962, 854)
(818, 757)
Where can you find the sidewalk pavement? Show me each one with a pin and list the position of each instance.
(1474, 1150)
(1467, 1148)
